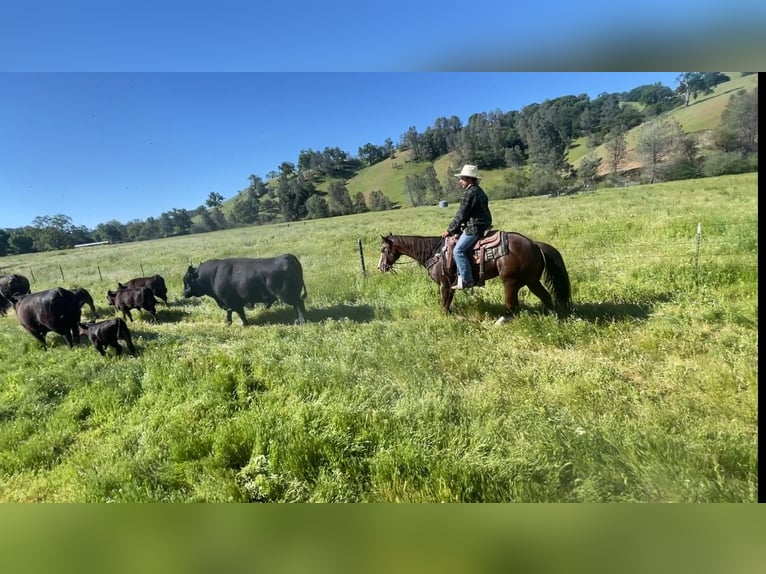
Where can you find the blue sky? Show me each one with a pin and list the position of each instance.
(123, 146)
(395, 35)
(123, 109)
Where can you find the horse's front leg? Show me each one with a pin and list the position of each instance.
(446, 295)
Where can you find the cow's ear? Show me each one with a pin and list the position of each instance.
(82, 325)
(120, 285)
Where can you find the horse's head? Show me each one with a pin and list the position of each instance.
(389, 254)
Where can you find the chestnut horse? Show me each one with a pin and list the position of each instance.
(518, 260)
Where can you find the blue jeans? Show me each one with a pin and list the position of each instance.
(462, 252)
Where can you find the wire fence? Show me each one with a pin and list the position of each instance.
(605, 250)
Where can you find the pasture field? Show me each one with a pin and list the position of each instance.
(648, 393)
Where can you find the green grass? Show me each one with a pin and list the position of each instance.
(647, 393)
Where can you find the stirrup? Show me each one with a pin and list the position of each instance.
(460, 284)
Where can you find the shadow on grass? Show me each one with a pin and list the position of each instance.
(601, 312)
(170, 315)
(286, 314)
(609, 312)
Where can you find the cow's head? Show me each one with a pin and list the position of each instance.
(15, 298)
(191, 287)
(83, 328)
(110, 295)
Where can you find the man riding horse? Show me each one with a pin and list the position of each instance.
(473, 218)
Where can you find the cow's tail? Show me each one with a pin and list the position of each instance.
(305, 293)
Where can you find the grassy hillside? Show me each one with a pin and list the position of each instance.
(647, 393)
(388, 176)
(702, 115)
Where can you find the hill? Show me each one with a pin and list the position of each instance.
(701, 116)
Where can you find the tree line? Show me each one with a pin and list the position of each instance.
(534, 140)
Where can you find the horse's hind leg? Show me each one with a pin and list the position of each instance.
(511, 297)
(537, 288)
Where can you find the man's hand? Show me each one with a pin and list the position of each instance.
(445, 233)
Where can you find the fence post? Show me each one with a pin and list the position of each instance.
(99, 273)
(62, 273)
(361, 256)
(142, 269)
(699, 240)
(32, 273)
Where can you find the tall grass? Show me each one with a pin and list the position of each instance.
(647, 393)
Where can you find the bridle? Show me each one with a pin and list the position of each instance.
(385, 256)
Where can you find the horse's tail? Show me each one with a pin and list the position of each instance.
(557, 278)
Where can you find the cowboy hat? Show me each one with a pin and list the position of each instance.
(469, 171)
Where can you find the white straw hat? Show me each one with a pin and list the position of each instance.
(469, 171)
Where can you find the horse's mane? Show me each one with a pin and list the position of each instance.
(419, 247)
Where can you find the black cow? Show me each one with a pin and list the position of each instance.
(108, 334)
(54, 310)
(83, 298)
(235, 283)
(156, 283)
(127, 299)
(11, 285)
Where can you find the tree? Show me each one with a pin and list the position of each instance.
(246, 207)
(316, 207)
(286, 168)
(359, 204)
(219, 218)
(112, 231)
(692, 84)
(151, 229)
(589, 166)
(133, 229)
(339, 199)
(4, 242)
(215, 199)
(207, 223)
(434, 191)
(20, 241)
(545, 145)
(371, 154)
(657, 98)
(174, 222)
(657, 140)
(616, 150)
(416, 189)
(52, 232)
(257, 186)
(293, 193)
(378, 201)
(739, 123)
